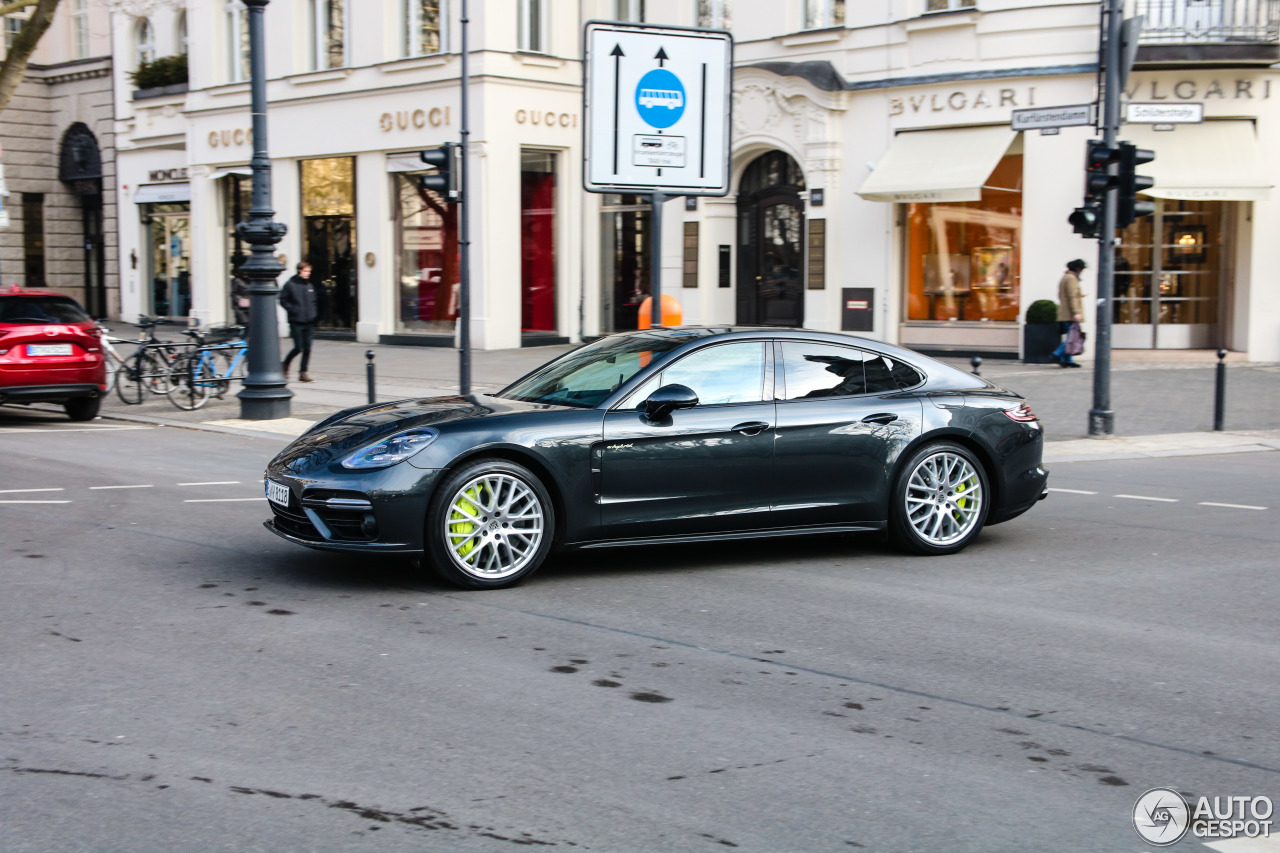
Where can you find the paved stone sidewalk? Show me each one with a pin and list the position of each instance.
(1163, 404)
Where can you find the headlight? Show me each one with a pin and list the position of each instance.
(391, 450)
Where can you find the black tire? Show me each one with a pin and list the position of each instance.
(83, 408)
(484, 550)
(191, 383)
(142, 373)
(931, 508)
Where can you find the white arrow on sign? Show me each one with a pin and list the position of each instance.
(657, 108)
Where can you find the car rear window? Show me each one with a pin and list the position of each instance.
(40, 310)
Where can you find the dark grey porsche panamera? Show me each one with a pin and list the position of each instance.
(667, 435)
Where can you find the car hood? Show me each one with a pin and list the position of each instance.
(336, 436)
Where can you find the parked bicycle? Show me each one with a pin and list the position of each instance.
(148, 370)
(209, 369)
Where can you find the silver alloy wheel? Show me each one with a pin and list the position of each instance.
(493, 526)
(944, 498)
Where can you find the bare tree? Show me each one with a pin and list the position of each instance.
(14, 67)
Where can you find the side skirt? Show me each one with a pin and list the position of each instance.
(864, 527)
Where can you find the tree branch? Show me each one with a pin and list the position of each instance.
(14, 67)
(16, 6)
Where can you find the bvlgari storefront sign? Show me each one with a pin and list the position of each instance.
(962, 100)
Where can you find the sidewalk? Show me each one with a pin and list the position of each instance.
(1163, 405)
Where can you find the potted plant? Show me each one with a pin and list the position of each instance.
(165, 75)
(1040, 336)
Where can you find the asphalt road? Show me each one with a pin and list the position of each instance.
(175, 678)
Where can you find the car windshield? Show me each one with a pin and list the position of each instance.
(40, 310)
(587, 376)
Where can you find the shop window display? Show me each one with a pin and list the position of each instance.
(429, 271)
(962, 257)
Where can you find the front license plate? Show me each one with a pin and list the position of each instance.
(48, 349)
(278, 493)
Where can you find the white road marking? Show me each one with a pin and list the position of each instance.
(35, 502)
(1147, 498)
(214, 483)
(73, 429)
(1231, 506)
(123, 487)
(1073, 491)
(18, 491)
(220, 500)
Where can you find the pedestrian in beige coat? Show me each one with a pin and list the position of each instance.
(1070, 309)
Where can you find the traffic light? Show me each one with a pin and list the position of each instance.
(1129, 206)
(1098, 157)
(445, 159)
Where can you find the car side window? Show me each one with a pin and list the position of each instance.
(719, 375)
(815, 370)
(886, 375)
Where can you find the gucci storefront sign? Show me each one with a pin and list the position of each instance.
(229, 138)
(405, 119)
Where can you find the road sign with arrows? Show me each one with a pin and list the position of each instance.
(657, 107)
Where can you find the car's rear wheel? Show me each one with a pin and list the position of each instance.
(940, 500)
(83, 408)
(489, 525)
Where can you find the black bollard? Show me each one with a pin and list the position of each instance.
(977, 363)
(1220, 391)
(373, 398)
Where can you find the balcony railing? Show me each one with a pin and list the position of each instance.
(1191, 22)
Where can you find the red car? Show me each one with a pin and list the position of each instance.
(50, 352)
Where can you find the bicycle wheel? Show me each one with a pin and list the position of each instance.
(128, 384)
(223, 365)
(191, 383)
(159, 375)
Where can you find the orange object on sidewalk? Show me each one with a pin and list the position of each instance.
(672, 314)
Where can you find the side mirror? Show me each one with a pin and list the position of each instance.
(667, 399)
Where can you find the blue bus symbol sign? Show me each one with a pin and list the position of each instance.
(660, 98)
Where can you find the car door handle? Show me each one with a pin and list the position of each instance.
(751, 427)
(880, 418)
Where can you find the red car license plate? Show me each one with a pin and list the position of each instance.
(48, 349)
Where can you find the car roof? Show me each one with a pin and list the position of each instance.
(15, 290)
(773, 333)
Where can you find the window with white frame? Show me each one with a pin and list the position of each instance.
(628, 10)
(12, 26)
(180, 32)
(237, 41)
(823, 13)
(712, 13)
(146, 41)
(328, 34)
(947, 5)
(80, 29)
(533, 25)
(423, 27)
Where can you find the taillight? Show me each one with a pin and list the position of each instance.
(1021, 413)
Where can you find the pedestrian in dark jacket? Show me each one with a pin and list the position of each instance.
(240, 300)
(298, 299)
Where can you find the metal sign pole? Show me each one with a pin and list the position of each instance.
(655, 258)
(464, 234)
(1101, 417)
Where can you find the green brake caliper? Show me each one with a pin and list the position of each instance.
(459, 523)
(960, 502)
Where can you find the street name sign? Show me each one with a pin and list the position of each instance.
(657, 103)
(1079, 115)
(1184, 113)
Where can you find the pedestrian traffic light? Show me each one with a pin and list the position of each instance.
(1129, 206)
(1085, 220)
(445, 159)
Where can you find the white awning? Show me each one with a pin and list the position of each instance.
(938, 165)
(406, 163)
(162, 193)
(1217, 160)
(242, 171)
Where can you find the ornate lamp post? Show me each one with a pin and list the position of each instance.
(264, 396)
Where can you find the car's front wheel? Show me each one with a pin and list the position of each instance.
(489, 525)
(940, 500)
(83, 408)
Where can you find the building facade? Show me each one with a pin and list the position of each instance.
(57, 151)
(876, 183)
